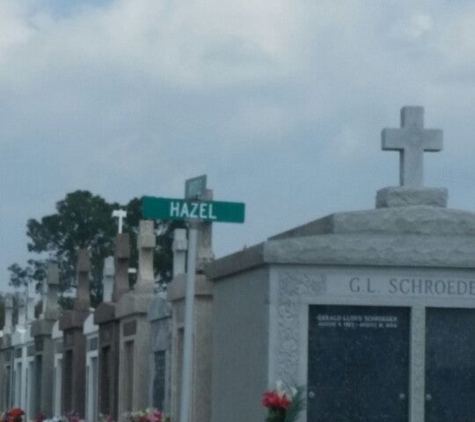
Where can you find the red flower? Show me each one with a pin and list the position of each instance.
(275, 400)
(15, 413)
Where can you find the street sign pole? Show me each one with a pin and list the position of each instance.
(194, 210)
(188, 335)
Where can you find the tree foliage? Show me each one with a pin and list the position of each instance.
(2, 310)
(84, 221)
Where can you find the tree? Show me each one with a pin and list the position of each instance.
(84, 221)
(2, 310)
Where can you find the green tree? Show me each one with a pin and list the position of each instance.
(2, 310)
(84, 221)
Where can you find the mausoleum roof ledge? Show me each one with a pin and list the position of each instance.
(352, 249)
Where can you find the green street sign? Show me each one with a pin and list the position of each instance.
(180, 209)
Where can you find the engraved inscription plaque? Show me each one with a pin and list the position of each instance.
(450, 365)
(358, 364)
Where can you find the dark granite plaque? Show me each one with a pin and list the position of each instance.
(36, 399)
(92, 344)
(8, 389)
(159, 379)
(358, 364)
(129, 328)
(68, 339)
(450, 365)
(105, 381)
(106, 334)
(39, 344)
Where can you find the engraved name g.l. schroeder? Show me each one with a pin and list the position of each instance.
(413, 286)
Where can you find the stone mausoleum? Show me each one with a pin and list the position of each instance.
(373, 311)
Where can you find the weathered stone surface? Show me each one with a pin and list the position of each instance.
(51, 309)
(74, 346)
(134, 329)
(72, 319)
(104, 313)
(41, 327)
(180, 246)
(83, 301)
(159, 308)
(403, 197)
(108, 279)
(416, 219)
(146, 241)
(354, 249)
(451, 251)
(177, 288)
(121, 263)
(122, 246)
(133, 304)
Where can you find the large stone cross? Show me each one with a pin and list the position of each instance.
(411, 140)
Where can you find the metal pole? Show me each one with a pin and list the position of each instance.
(188, 335)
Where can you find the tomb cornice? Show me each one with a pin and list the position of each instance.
(104, 313)
(6, 342)
(375, 250)
(133, 304)
(159, 309)
(72, 319)
(360, 249)
(236, 262)
(177, 288)
(42, 327)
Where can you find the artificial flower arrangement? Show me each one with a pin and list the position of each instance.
(67, 417)
(13, 415)
(284, 404)
(148, 415)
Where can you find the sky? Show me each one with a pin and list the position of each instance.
(280, 103)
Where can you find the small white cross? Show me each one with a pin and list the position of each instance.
(120, 214)
(411, 140)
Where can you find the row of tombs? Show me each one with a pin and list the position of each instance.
(108, 361)
(372, 311)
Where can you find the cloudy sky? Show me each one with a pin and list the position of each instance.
(280, 102)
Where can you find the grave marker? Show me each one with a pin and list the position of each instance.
(120, 214)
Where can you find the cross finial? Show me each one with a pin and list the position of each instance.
(120, 214)
(411, 140)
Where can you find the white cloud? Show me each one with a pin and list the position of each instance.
(413, 27)
(13, 27)
(128, 97)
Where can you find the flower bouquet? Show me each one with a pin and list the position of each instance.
(284, 404)
(149, 415)
(13, 415)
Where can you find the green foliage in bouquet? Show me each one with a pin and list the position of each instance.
(284, 404)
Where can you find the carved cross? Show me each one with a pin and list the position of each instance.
(411, 140)
(120, 214)
(146, 246)
(50, 299)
